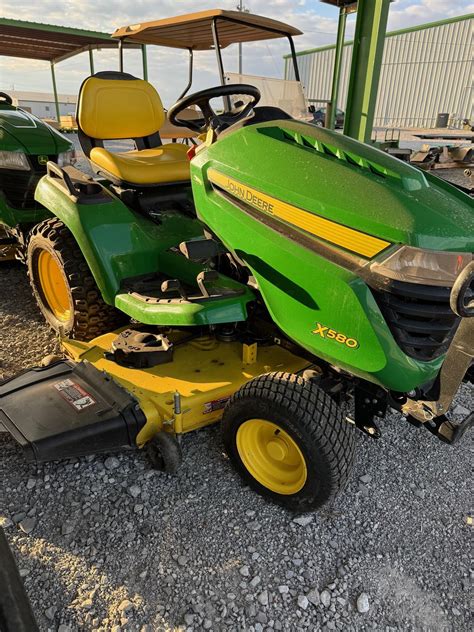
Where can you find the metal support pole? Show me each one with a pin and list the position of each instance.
(145, 63)
(190, 75)
(220, 64)
(336, 76)
(120, 47)
(91, 61)
(293, 57)
(215, 37)
(240, 8)
(55, 92)
(366, 62)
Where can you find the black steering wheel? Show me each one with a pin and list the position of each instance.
(6, 97)
(210, 119)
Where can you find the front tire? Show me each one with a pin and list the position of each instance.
(288, 440)
(63, 285)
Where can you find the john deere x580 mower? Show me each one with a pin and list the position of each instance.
(26, 145)
(282, 278)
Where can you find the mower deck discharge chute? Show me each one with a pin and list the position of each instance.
(285, 280)
(80, 411)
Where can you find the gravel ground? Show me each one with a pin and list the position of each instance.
(105, 543)
(455, 176)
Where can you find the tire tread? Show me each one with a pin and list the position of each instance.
(92, 315)
(319, 417)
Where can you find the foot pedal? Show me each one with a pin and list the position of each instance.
(206, 277)
(200, 249)
(171, 286)
(141, 349)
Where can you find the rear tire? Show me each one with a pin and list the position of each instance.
(63, 285)
(288, 440)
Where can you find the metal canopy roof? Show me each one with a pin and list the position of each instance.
(194, 30)
(32, 40)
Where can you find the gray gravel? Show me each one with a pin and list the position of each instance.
(455, 176)
(105, 543)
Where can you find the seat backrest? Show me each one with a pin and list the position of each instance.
(117, 105)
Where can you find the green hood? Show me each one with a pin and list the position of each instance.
(347, 182)
(21, 131)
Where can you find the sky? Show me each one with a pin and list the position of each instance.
(168, 67)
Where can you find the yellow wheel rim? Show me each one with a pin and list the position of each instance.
(53, 286)
(271, 456)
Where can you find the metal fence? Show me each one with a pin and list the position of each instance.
(426, 70)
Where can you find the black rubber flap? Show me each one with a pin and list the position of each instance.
(68, 409)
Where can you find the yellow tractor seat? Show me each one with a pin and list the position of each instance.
(166, 163)
(115, 106)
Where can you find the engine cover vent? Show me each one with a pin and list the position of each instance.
(329, 149)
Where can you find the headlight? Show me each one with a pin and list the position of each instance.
(67, 158)
(429, 267)
(14, 160)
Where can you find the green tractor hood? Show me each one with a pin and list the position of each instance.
(21, 131)
(344, 181)
(315, 216)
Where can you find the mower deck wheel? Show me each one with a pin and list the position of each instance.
(164, 452)
(289, 440)
(63, 285)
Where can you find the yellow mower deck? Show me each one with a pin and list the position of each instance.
(204, 371)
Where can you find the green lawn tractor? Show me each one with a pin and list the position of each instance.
(26, 145)
(280, 278)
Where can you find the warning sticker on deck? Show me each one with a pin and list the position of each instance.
(216, 404)
(74, 394)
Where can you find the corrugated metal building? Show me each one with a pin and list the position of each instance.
(426, 70)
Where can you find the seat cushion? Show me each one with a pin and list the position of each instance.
(166, 163)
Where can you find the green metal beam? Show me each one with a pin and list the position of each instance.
(52, 28)
(336, 75)
(145, 63)
(366, 62)
(55, 92)
(91, 60)
(49, 42)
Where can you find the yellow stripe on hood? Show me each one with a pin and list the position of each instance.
(348, 238)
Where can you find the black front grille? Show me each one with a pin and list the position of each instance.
(419, 317)
(19, 187)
